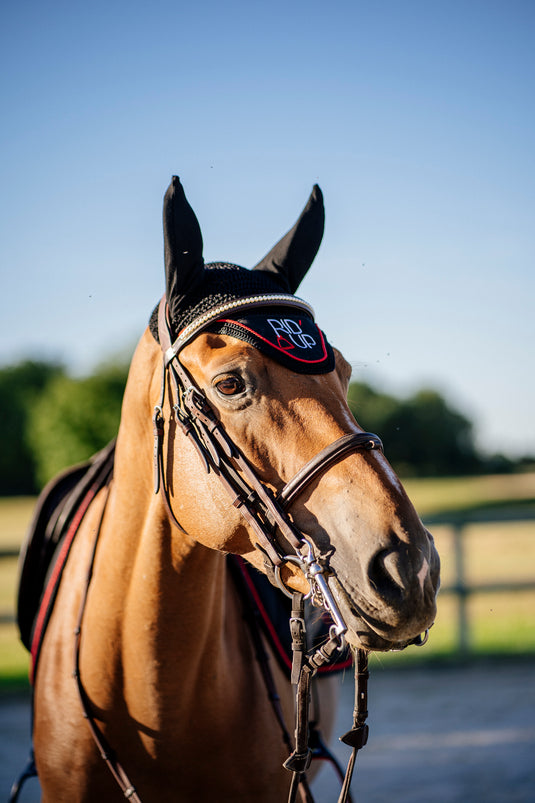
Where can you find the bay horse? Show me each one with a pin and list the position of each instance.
(233, 389)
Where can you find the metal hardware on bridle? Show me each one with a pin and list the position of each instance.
(304, 667)
(319, 590)
(266, 514)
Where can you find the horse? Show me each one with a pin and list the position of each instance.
(235, 439)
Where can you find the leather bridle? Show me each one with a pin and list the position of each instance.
(277, 537)
(264, 511)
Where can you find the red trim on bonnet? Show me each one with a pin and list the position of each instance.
(284, 351)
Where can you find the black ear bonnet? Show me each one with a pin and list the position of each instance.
(286, 334)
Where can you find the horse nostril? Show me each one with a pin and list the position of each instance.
(386, 573)
(392, 568)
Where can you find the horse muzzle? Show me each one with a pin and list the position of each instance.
(394, 600)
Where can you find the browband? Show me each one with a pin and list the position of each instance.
(231, 307)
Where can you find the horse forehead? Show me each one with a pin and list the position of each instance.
(212, 352)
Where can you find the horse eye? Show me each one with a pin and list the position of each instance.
(230, 386)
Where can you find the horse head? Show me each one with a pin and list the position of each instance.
(266, 387)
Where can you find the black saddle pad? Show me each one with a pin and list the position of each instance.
(59, 511)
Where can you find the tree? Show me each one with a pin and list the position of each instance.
(74, 418)
(371, 408)
(20, 387)
(50, 420)
(423, 434)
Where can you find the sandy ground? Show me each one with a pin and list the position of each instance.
(448, 735)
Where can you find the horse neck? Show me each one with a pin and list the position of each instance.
(153, 573)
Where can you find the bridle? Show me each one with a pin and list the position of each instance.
(277, 537)
(263, 510)
(266, 513)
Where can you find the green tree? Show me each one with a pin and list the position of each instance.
(74, 418)
(423, 434)
(431, 437)
(371, 408)
(20, 387)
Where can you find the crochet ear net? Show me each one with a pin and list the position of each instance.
(293, 255)
(287, 262)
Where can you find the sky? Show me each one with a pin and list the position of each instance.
(416, 118)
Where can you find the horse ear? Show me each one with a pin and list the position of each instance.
(184, 266)
(293, 255)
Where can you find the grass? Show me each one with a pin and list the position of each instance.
(432, 495)
(15, 517)
(500, 623)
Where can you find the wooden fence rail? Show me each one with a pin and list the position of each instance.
(460, 588)
(458, 522)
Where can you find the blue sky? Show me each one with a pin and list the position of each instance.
(416, 119)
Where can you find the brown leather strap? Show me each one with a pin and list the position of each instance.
(106, 752)
(321, 463)
(198, 420)
(358, 735)
(256, 504)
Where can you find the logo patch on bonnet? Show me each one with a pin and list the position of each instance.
(291, 339)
